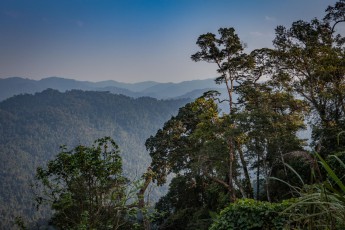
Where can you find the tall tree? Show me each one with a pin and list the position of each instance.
(268, 117)
(269, 120)
(312, 56)
(227, 53)
(248, 125)
(192, 146)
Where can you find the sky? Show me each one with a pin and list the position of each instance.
(132, 40)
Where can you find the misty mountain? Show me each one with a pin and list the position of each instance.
(135, 87)
(172, 90)
(33, 127)
(15, 86)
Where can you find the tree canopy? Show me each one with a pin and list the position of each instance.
(273, 95)
(85, 187)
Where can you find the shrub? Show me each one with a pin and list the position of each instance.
(250, 214)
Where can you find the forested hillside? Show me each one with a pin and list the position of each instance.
(33, 127)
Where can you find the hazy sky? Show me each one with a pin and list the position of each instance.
(132, 40)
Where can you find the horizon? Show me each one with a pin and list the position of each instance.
(132, 41)
(98, 81)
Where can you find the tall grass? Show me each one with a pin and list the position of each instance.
(320, 205)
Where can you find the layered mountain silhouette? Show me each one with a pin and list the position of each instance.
(188, 89)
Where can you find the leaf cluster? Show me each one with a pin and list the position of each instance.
(251, 214)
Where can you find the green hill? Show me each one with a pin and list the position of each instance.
(33, 127)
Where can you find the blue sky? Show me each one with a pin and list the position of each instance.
(132, 40)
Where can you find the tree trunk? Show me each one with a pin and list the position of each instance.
(231, 142)
(258, 177)
(246, 173)
(231, 163)
(267, 189)
(141, 195)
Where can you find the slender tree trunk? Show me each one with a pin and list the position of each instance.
(258, 176)
(141, 196)
(230, 173)
(246, 173)
(259, 152)
(268, 187)
(240, 187)
(268, 172)
(231, 142)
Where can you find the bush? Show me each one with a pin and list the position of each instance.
(251, 214)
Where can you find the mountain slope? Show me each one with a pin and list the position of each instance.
(14, 86)
(172, 90)
(32, 127)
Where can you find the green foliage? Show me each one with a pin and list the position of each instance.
(194, 146)
(178, 145)
(187, 204)
(188, 219)
(268, 120)
(304, 166)
(311, 56)
(250, 214)
(226, 51)
(263, 122)
(260, 131)
(85, 187)
(189, 146)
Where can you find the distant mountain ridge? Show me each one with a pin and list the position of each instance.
(17, 85)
